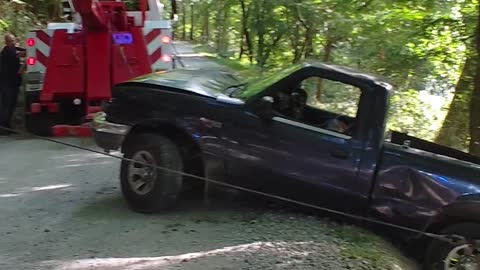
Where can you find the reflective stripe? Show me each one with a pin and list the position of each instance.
(146, 31)
(312, 128)
(156, 49)
(154, 45)
(42, 47)
(41, 52)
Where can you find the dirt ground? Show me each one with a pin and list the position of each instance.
(61, 209)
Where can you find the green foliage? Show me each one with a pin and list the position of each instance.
(408, 108)
(16, 18)
(421, 46)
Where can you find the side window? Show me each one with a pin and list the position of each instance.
(332, 96)
(321, 103)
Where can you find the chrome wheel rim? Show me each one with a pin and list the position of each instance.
(460, 259)
(141, 173)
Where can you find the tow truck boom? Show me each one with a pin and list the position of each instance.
(92, 13)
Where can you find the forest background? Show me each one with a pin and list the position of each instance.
(429, 49)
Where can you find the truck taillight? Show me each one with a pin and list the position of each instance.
(166, 58)
(31, 42)
(31, 61)
(166, 39)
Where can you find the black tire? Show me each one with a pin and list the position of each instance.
(166, 187)
(30, 97)
(39, 124)
(437, 250)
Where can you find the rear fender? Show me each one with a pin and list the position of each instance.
(465, 209)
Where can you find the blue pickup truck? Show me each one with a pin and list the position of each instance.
(313, 132)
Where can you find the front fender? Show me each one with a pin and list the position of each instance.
(193, 135)
(168, 125)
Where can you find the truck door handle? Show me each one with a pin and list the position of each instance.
(340, 154)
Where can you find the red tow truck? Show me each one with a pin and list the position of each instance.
(72, 66)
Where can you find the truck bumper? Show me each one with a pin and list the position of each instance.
(108, 136)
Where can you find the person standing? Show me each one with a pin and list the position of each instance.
(10, 79)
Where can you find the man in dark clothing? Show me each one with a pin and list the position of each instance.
(10, 79)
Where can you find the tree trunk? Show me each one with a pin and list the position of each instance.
(248, 37)
(269, 49)
(184, 21)
(192, 21)
(309, 35)
(225, 40)
(206, 24)
(297, 48)
(218, 26)
(260, 49)
(207, 28)
(455, 129)
(475, 117)
(244, 29)
(55, 11)
(475, 101)
(327, 57)
(328, 49)
(242, 48)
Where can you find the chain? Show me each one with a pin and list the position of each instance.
(452, 239)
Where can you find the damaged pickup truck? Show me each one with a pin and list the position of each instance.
(313, 132)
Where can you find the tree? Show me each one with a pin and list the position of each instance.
(455, 130)
(427, 48)
(458, 128)
(475, 100)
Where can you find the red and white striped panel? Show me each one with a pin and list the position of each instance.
(40, 51)
(160, 53)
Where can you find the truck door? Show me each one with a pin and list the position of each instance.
(312, 153)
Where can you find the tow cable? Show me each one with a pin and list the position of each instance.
(469, 260)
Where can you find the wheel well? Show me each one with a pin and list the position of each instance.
(439, 226)
(459, 212)
(448, 217)
(190, 150)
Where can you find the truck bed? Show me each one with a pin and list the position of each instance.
(400, 138)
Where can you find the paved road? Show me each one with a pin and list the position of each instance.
(194, 60)
(60, 208)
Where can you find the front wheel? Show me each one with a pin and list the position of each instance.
(445, 256)
(145, 188)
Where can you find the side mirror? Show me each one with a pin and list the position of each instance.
(264, 108)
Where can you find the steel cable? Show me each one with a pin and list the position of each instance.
(446, 238)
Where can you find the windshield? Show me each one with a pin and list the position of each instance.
(256, 86)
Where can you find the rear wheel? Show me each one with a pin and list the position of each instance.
(145, 188)
(445, 256)
(37, 123)
(40, 123)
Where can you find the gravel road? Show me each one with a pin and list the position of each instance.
(61, 209)
(194, 60)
